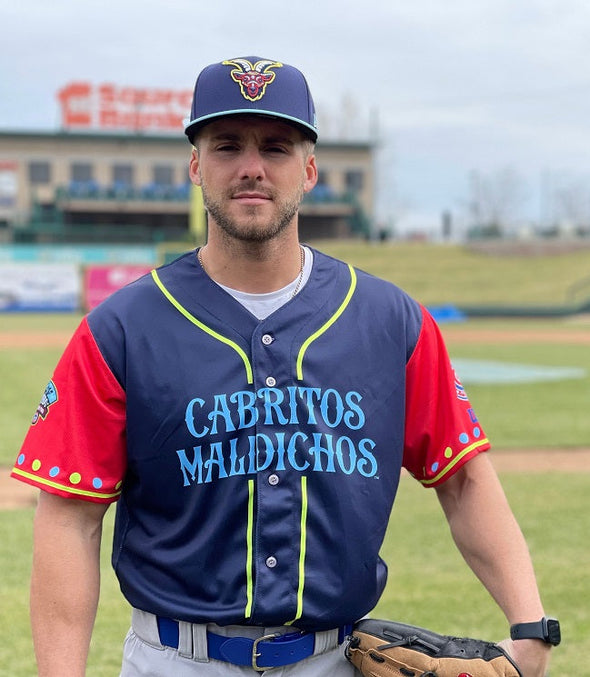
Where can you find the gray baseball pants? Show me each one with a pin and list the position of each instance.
(145, 656)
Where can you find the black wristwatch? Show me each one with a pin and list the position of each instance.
(546, 629)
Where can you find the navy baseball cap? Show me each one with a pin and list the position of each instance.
(256, 86)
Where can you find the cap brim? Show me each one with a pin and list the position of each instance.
(194, 125)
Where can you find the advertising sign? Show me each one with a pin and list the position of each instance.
(39, 287)
(112, 107)
(102, 281)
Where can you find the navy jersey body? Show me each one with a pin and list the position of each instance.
(255, 462)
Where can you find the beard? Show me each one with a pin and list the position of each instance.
(252, 226)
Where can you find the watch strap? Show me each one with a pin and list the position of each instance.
(547, 630)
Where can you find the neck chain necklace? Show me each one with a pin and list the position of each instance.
(299, 278)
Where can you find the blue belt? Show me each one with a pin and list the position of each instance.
(268, 651)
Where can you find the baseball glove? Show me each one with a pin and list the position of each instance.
(380, 648)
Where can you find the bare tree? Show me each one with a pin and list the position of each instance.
(496, 200)
(571, 202)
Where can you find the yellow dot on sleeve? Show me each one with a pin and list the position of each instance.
(75, 478)
(36, 464)
(448, 452)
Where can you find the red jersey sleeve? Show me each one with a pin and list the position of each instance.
(76, 446)
(442, 430)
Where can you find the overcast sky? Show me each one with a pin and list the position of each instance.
(454, 86)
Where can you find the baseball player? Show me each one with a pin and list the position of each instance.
(250, 407)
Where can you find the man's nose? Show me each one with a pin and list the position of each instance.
(252, 164)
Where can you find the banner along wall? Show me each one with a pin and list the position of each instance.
(102, 281)
(39, 287)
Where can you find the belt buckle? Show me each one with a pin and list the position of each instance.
(255, 654)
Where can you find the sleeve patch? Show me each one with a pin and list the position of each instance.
(49, 397)
(76, 444)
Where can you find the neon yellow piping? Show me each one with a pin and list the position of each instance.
(302, 550)
(454, 462)
(204, 327)
(249, 555)
(56, 485)
(327, 325)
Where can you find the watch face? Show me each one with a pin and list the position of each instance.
(553, 631)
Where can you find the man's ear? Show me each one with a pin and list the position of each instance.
(194, 168)
(311, 174)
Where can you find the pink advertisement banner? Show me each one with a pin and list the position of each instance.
(101, 281)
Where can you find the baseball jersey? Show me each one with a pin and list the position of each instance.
(240, 450)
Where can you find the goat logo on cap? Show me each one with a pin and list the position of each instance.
(252, 78)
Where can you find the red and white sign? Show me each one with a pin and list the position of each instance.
(109, 107)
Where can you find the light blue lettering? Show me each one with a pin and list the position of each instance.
(251, 454)
(195, 469)
(215, 459)
(292, 451)
(316, 450)
(354, 409)
(236, 464)
(367, 465)
(341, 454)
(272, 399)
(307, 395)
(189, 418)
(269, 450)
(221, 410)
(280, 465)
(247, 412)
(292, 390)
(337, 407)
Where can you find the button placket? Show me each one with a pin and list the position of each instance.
(267, 354)
(267, 340)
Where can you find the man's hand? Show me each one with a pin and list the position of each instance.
(531, 655)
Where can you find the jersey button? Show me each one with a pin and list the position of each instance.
(273, 480)
(271, 381)
(267, 339)
(271, 562)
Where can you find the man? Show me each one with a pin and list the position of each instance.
(247, 404)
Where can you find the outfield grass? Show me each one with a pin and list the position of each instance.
(25, 373)
(436, 274)
(538, 414)
(429, 583)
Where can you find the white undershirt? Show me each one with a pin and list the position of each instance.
(263, 305)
